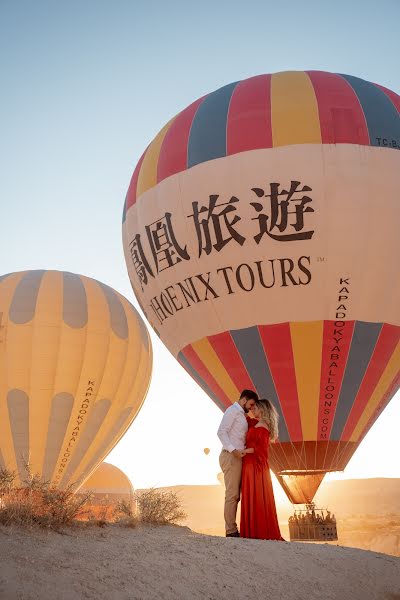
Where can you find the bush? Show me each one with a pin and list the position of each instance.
(160, 507)
(37, 502)
(40, 503)
(126, 513)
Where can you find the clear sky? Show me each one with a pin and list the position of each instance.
(85, 86)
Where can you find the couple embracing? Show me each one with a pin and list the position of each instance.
(244, 463)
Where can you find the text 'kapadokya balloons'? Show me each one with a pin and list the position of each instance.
(261, 238)
(75, 366)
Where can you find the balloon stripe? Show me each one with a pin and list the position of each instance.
(45, 342)
(324, 108)
(8, 380)
(71, 351)
(388, 376)
(91, 372)
(197, 364)
(395, 98)
(132, 382)
(131, 195)
(249, 345)
(61, 408)
(75, 312)
(124, 210)
(23, 306)
(148, 172)
(174, 150)
(386, 398)
(278, 350)
(363, 344)
(190, 370)
(94, 422)
(118, 321)
(381, 115)
(387, 342)
(107, 443)
(112, 358)
(18, 409)
(350, 447)
(335, 350)
(210, 359)
(249, 117)
(295, 118)
(341, 117)
(229, 356)
(207, 139)
(144, 334)
(306, 341)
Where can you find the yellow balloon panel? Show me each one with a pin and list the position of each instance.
(75, 360)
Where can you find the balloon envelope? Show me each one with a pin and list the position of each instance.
(261, 237)
(206, 451)
(108, 483)
(75, 366)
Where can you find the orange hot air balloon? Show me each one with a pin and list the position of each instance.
(75, 366)
(108, 486)
(108, 483)
(206, 451)
(261, 237)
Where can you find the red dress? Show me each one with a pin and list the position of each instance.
(258, 518)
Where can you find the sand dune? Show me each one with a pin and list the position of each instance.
(150, 563)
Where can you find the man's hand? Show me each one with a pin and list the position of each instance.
(238, 453)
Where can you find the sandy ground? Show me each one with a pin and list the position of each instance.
(163, 563)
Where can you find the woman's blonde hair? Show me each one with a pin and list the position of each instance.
(269, 416)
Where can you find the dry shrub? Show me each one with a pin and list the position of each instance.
(125, 513)
(160, 507)
(37, 502)
(40, 503)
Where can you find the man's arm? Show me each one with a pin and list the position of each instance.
(225, 428)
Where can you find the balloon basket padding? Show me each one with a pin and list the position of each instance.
(312, 524)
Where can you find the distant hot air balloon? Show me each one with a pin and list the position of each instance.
(261, 237)
(206, 451)
(75, 366)
(108, 483)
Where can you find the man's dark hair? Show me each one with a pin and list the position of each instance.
(249, 394)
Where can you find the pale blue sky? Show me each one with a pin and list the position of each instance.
(85, 86)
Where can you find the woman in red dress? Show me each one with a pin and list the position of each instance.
(258, 518)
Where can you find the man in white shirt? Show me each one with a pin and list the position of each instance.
(232, 433)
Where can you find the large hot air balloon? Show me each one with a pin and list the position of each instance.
(75, 366)
(261, 237)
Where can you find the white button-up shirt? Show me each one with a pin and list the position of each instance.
(233, 428)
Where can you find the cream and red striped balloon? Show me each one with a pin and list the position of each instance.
(261, 237)
(75, 366)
